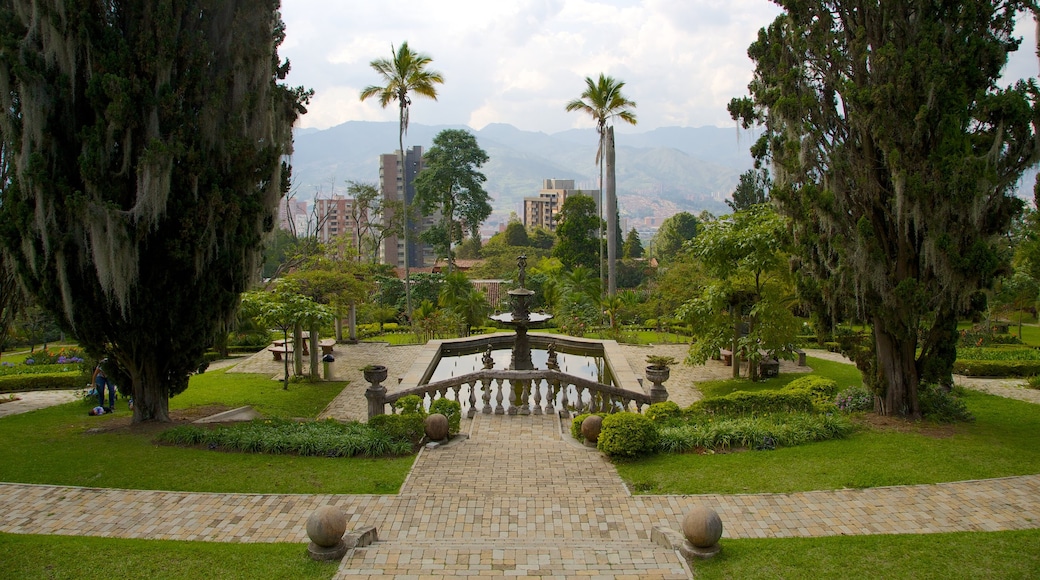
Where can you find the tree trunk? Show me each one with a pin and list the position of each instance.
(297, 349)
(315, 349)
(897, 366)
(735, 357)
(610, 186)
(150, 404)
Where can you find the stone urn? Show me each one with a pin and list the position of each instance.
(657, 375)
(374, 374)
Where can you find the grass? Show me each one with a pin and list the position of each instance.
(1013, 554)
(85, 558)
(842, 373)
(64, 446)
(1006, 434)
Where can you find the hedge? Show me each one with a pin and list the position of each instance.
(627, 435)
(44, 382)
(741, 403)
(997, 368)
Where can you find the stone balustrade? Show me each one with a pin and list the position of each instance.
(513, 392)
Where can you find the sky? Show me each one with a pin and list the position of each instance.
(520, 61)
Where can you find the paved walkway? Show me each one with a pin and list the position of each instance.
(517, 498)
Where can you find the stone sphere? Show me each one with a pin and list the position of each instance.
(591, 427)
(702, 526)
(326, 526)
(436, 427)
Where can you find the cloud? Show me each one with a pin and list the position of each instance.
(520, 62)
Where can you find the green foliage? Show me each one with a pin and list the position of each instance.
(742, 403)
(410, 405)
(578, 232)
(855, 398)
(821, 389)
(1010, 368)
(752, 189)
(318, 438)
(1034, 382)
(674, 233)
(633, 246)
(980, 338)
(774, 430)
(942, 406)
(516, 234)
(664, 412)
(627, 435)
(409, 427)
(41, 382)
(452, 410)
(998, 354)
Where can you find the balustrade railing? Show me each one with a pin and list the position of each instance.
(528, 392)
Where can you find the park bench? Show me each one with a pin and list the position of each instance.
(801, 357)
(327, 345)
(280, 349)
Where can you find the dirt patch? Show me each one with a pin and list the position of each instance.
(900, 425)
(177, 417)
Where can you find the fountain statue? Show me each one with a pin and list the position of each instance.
(520, 318)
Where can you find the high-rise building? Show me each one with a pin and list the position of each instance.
(398, 183)
(541, 211)
(334, 218)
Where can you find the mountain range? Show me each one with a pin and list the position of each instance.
(659, 172)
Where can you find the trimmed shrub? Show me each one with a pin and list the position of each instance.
(943, 407)
(400, 427)
(787, 430)
(854, 399)
(820, 388)
(315, 438)
(664, 412)
(1034, 382)
(410, 405)
(41, 382)
(993, 368)
(450, 409)
(627, 435)
(740, 403)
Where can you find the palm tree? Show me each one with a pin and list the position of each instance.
(603, 101)
(405, 72)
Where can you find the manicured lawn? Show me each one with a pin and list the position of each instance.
(1004, 441)
(1014, 554)
(64, 446)
(843, 374)
(85, 558)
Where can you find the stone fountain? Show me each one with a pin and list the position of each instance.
(521, 318)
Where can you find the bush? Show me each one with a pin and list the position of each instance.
(854, 399)
(980, 338)
(821, 389)
(316, 438)
(450, 409)
(410, 405)
(779, 430)
(1034, 382)
(664, 412)
(410, 428)
(41, 382)
(627, 435)
(989, 368)
(1001, 354)
(942, 406)
(740, 403)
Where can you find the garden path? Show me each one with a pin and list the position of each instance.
(518, 498)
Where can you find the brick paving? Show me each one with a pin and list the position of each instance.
(516, 498)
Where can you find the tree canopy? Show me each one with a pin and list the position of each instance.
(675, 231)
(452, 184)
(577, 240)
(752, 189)
(895, 154)
(146, 141)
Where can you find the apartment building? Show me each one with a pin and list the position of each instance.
(541, 211)
(397, 183)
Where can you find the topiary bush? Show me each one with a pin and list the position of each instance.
(41, 382)
(664, 412)
(627, 435)
(410, 405)
(941, 406)
(450, 409)
(741, 403)
(997, 368)
(821, 389)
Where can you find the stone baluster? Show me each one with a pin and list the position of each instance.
(472, 400)
(525, 398)
(487, 384)
(499, 409)
(536, 393)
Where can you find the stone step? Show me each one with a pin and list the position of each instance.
(482, 558)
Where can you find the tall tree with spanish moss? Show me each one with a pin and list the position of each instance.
(146, 143)
(896, 155)
(603, 101)
(402, 74)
